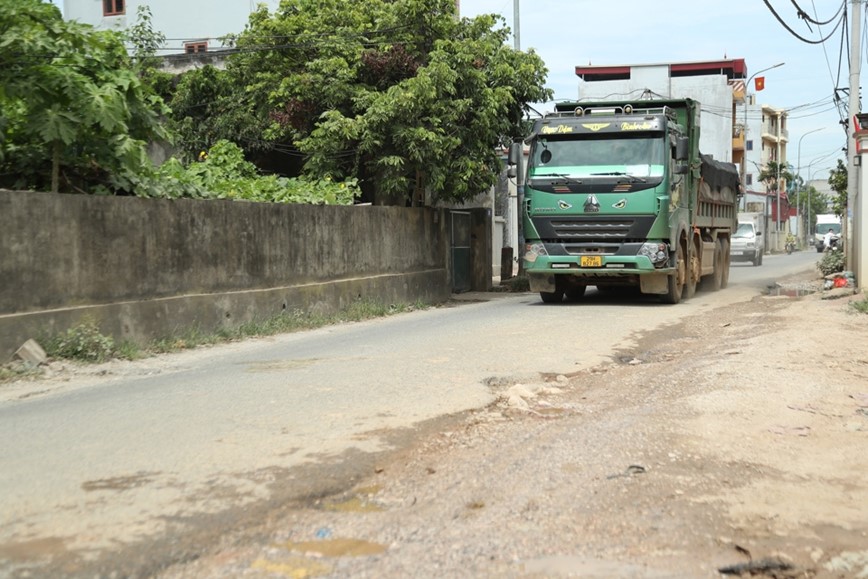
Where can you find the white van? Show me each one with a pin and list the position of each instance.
(747, 241)
(826, 222)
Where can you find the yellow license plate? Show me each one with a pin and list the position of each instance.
(591, 261)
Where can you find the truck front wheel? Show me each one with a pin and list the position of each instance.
(555, 297)
(676, 280)
(574, 294)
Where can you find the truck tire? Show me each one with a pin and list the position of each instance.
(724, 274)
(676, 280)
(694, 270)
(554, 297)
(574, 294)
(711, 283)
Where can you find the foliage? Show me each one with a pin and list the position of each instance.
(838, 181)
(146, 42)
(772, 172)
(223, 173)
(210, 105)
(73, 113)
(398, 94)
(831, 262)
(83, 342)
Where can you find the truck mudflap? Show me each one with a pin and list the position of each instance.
(654, 283)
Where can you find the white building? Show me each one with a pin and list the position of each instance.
(705, 82)
(190, 26)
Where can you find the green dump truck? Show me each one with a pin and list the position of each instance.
(618, 194)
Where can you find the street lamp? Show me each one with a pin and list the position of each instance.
(799, 172)
(744, 126)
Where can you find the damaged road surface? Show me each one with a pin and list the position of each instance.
(445, 440)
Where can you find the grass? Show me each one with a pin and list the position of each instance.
(85, 343)
(860, 306)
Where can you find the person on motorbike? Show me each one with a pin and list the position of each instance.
(790, 242)
(827, 239)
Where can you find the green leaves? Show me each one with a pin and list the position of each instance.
(55, 124)
(222, 173)
(67, 84)
(398, 94)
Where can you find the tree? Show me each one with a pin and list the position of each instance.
(399, 94)
(73, 113)
(775, 175)
(838, 181)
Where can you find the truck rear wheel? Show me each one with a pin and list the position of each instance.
(724, 274)
(714, 281)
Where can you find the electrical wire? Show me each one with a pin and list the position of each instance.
(796, 34)
(804, 15)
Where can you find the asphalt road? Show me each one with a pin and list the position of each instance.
(97, 464)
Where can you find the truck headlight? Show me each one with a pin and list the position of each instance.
(534, 250)
(658, 253)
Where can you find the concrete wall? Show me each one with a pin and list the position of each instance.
(146, 268)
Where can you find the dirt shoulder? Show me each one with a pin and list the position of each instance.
(736, 438)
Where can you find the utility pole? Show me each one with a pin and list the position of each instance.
(852, 110)
(516, 236)
(517, 23)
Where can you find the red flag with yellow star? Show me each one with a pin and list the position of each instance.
(760, 83)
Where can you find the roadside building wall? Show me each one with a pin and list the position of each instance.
(143, 269)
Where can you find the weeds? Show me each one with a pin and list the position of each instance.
(860, 306)
(85, 343)
(831, 262)
(287, 322)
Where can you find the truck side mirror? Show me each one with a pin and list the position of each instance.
(513, 159)
(682, 149)
(514, 154)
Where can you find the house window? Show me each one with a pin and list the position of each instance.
(748, 179)
(194, 47)
(113, 7)
(748, 145)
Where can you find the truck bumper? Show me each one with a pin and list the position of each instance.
(544, 271)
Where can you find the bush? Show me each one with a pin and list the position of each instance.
(83, 342)
(832, 262)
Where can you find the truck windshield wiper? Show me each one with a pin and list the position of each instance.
(633, 178)
(563, 176)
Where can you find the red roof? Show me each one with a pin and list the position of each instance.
(733, 68)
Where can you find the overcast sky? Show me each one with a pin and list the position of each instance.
(570, 33)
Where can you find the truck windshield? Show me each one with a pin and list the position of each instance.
(744, 230)
(825, 227)
(595, 157)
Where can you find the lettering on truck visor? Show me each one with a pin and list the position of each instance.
(573, 128)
